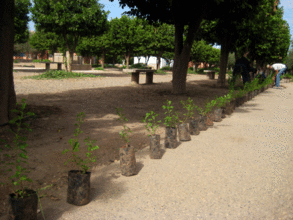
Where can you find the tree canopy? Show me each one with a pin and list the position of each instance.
(70, 18)
(21, 19)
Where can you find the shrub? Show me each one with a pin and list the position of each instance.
(99, 68)
(36, 61)
(166, 68)
(16, 61)
(138, 65)
(160, 72)
(59, 74)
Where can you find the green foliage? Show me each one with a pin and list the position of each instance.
(221, 101)
(37, 61)
(138, 66)
(75, 148)
(21, 19)
(59, 74)
(160, 71)
(99, 68)
(20, 154)
(72, 20)
(166, 68)
(42, 41)
(15, 61)
(124, 133)
(151, 125)
(188, 105)
(170, 120)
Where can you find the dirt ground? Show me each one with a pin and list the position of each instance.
(56, 116)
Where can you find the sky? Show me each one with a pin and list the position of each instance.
(116, 11)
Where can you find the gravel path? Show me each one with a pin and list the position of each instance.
(241, 168)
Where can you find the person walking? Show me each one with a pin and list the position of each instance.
(280, 69)
(243, 64)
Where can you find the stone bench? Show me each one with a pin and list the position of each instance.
(135, 75)
(210, 73)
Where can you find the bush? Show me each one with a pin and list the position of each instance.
(59, 74)
(160, 72)
(189, 71)
(36, 61)
(167, 68)
(16, 61)
(99, 68)
(138, 66)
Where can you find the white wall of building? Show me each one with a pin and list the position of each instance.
(152, 60)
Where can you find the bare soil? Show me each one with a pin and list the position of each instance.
(56, 116)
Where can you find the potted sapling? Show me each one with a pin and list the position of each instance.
(218, 111)
(78, 192)
(184, 134)
(23, 202)
(194, 123)
(208, 112)
(127, 153)
(151, 126)
(170, 121)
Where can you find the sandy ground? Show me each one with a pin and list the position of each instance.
(238, 169)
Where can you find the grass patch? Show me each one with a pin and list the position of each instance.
(39, 61)
(59, 74)
(99, 68)
(160, 71)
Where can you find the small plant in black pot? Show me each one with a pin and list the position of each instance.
(183, 129)
(78, 192)
(127, 153)
(170, 121)
(23, 201)
(155, 152)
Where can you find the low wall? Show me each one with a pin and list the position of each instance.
(54, 66)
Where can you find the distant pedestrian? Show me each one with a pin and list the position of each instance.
(279, 69)
(242, 66)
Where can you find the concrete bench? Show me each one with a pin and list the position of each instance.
(135, 75)
(48, 65)
(210, 73)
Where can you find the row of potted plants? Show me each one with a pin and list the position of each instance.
(24, 201)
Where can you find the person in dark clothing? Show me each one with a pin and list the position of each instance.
(242, 66)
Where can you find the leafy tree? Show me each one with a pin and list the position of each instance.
(161, 39)
(70, 18)
(128, 34)
(268, 37)
(201, 52)
(177, 13)
(21, 20)
(43, 41)
(25, 47)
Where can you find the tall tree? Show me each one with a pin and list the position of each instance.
(75, 18)
(129, 34)
(177, 13)
(7, 92)
(43, 41)
(21, 20)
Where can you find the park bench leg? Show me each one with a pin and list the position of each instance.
(149, 78)
(47, 66)
(59, 66)
(135, 78)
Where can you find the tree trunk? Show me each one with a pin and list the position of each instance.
(159, 55)
(104, 57)
(236, 56)
(182, 55)
(7, 94)
(69, 61)
(224, 60)
(127, 56)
